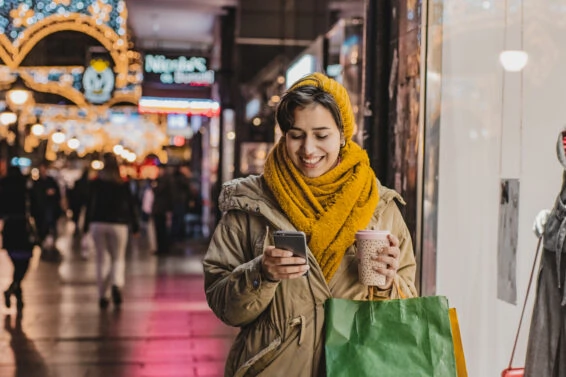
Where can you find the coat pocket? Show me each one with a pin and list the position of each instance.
(260, 363)
(254, 365)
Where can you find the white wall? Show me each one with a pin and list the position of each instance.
(495, 125)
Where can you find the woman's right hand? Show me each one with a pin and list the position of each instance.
(278, 264)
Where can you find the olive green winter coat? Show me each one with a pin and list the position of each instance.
(282, 323)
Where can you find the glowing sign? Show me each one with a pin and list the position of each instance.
(157, 105)
(178, 70)
(98, 81)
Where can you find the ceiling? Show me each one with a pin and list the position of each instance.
(174, 24)
(189, 24)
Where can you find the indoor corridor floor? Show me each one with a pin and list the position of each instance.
(163, 329)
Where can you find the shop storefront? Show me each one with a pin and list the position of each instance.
(490, 127)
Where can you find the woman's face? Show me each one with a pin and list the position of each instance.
(313, 142)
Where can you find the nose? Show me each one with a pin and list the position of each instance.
(309, 145)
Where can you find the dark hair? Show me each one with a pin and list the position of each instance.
(111, 170)
(14, 171)
(302, 97)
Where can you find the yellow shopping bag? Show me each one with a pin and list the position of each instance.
(457, 340)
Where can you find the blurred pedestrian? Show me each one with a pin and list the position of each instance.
(78, 196)
(47, 210)
(162, 209)
(18, 232)
(181, 192)
(111, 210)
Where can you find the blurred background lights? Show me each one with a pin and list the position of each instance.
(118, 149)
(73, 143)
(58, 137)
(8, 117)
(97, 164)
(38, 129)
(18, 96)
(130, 157)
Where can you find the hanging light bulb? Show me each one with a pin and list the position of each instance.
(19, 94)
(513, 60)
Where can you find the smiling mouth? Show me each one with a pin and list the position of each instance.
(311, 162)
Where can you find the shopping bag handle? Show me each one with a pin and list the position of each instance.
(395, 284)
(525, 302)
(400, 292)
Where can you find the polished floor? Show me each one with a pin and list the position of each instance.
(164, 328)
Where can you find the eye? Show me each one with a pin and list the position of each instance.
(321, 136)
(295, 135)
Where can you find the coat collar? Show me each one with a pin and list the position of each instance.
(251, 195)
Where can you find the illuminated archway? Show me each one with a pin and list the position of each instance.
(14, 54)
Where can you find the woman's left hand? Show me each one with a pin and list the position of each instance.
(390, 257)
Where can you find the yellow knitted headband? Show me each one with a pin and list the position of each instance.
(338, 92)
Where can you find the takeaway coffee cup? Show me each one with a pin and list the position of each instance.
(369, 244)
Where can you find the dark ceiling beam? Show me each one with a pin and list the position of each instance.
(174, 44)
(273, 42)
(215, 8)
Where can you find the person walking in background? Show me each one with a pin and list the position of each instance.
(316, 180)
(47, 210)
(146, 218)
(161, 210)
(18, 232)
(78, 196)
(181, 192)
(110, 211)
(193, 217)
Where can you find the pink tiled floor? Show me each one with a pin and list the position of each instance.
(164, 329)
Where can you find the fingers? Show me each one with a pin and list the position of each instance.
(393, 240)
(389, 256)
(280, 264)
(279, 272)
(272, 251)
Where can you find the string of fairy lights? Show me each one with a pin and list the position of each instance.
(16, 16)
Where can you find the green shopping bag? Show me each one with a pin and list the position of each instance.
(394, 338)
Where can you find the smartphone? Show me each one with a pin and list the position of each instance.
(291, 240)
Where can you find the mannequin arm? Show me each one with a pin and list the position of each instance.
(540, 222)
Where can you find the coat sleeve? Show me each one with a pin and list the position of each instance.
(235, 289)
(405, 279)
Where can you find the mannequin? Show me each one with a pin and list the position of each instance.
(546, 349)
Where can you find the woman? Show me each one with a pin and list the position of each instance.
(18, 232)
(110, 209)
(316, 180)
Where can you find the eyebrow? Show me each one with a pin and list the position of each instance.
(314, 129)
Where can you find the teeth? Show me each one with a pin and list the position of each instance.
(311, 160)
